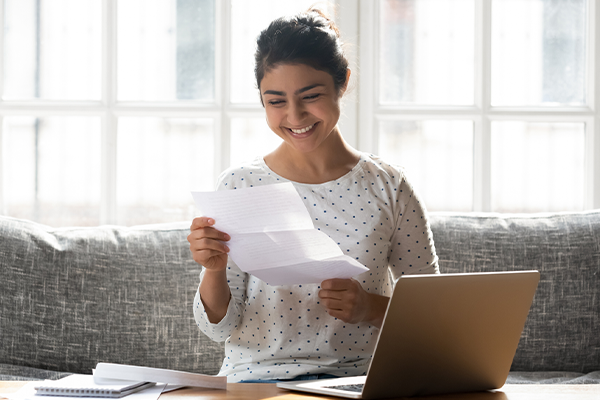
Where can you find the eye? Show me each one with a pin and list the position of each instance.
(312, 96)
(275, 102)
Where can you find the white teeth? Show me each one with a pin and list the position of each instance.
(308, 128)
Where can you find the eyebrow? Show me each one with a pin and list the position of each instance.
(297, 92)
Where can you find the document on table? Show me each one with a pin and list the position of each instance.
(272, 235)
(134, 373)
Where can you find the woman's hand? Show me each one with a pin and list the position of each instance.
(208, 249)
(345, 299)
(207, 244)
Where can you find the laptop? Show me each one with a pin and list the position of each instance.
(446, 333)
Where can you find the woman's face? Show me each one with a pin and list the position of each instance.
(302, 105)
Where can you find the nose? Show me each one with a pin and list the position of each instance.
(296, 113)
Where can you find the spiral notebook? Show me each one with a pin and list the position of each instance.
(77, 385)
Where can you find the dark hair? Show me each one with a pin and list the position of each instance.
(309, 38)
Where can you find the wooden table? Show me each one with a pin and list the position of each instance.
(258, 391)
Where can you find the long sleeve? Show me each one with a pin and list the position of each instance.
(220, 331)
(412, 250)
(237, 281)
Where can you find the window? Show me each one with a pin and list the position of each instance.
(113, 110)
(489, 104)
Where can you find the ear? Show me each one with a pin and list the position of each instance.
(343, 89)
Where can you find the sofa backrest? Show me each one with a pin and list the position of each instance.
(72, 297)
(64, 310)
(562, 332)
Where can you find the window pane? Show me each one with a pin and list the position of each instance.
(250, 138)
(438, 157)
(159, 162)
(538, 52)
(426, 52)
(537, 167)
(248, 19)
(52, 49)
(166, 50)
(52, 169)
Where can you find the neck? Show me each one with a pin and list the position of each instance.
(333, 159)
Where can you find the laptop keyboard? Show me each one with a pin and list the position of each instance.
(351, 388)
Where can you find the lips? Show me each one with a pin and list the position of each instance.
(302, 132)
(297, 131)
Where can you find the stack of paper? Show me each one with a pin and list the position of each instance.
(133, 373)
(115, 381)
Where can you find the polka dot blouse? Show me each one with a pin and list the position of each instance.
(279, 332)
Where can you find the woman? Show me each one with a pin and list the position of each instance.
(366, 205)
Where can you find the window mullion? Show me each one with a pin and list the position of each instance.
(347, 21)
(592, 151)
(108, 211)
(2, 161)
(593, 91)
(482, 168)
(222, 132)
(2, 50)
(482, 164)
(368, 75)
(593, 129)
(2, 189)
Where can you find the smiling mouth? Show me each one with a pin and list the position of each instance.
(303, 130)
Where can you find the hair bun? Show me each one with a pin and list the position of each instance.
(328, 20)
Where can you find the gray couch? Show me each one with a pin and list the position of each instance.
(72, 297)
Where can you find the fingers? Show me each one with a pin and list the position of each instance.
(343, 299)
(342, 294)
(210, 258)
(201, 222)
(202, 243)
(208, 233)
(207, 244)
(202, 226)
(337, 284)
(331, 294)
(341, 314)
(340, 310)
(210, 253)
(339, 289)
(332, 304)
(338, 299)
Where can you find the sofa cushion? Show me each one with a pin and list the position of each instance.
(562, 329)
(553, 378)
(19, 373)
(73, 297)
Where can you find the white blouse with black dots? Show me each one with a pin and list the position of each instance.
(279, 332)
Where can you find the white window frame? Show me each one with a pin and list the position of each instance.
(482, 113)
(108, 109)
(358, 20)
